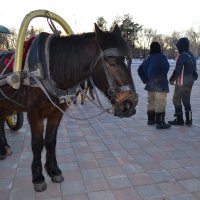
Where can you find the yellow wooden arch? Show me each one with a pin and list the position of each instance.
(24, 27)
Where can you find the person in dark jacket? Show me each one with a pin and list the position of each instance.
(183, 78)
(153, 72)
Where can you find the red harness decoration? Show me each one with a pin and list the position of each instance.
(27, 45)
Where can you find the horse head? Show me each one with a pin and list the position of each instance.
(112, 73)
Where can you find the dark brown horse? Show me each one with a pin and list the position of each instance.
(103, 56)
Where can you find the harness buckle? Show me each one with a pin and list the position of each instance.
(14, 80)
(111, 91)
(65, 99)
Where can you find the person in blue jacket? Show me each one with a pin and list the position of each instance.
(153, 72)
(183, 76)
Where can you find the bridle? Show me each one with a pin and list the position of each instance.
(113, 90)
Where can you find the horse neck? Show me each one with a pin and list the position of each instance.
(72, 59)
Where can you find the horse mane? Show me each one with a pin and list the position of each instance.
(115, 40)
(71, 57)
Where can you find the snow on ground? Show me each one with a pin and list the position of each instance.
(171, 62)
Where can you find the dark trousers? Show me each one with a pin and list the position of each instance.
(182, 96)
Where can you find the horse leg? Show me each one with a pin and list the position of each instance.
(51, 165)
(2, 143)
(82, 99)
(91, 93)
(90, 87)
(4, 147)
(82, 85)
(37, 143)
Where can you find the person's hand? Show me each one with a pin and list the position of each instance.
(171, 81)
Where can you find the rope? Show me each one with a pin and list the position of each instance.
(45, 92)
(51, 24)
(7, 98)
(47, 95)
(92, 101)
(12, 58)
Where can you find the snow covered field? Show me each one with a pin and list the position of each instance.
(136, 62)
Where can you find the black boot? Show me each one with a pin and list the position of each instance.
(151, 117)
(160, 120)
(178, 120)
(188, 116)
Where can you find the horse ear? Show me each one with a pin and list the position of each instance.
(117, 29)
(97, 30)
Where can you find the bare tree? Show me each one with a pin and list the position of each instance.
(13, 38)
(130, 29)
(3, 41)
(33, 32)
(145, 37)
(101, 22)
(194, 38)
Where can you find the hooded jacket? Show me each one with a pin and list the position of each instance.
(186, 63)
(153, 71)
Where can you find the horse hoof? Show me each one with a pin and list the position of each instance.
(2, 157)
(57, 179)
(2, 154)
(8, 151)
(39, 187)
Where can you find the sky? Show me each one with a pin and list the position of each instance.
(165, 16)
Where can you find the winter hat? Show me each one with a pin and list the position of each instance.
(183, 45)
(155, 48)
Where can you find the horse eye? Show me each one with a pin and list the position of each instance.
(113, 64)
(111, 61)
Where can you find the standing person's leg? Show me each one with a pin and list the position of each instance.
(151, 108)
(187, 105)
(160, 107)
(177, 98)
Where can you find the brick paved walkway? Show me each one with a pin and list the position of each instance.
(109, 158)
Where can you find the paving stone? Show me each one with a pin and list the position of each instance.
(126, 194)
(191, 185)
(117, 182)
(92, 173)
(96, 184)
(72, 187)
(102, 195)
(150, 192)
(161, 176)
(140, 179)
(182, 197)
(111, 158)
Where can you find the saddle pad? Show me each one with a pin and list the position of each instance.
(36, 56)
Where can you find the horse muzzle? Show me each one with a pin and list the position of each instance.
(127, 106)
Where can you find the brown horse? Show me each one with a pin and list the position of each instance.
(103, 56)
